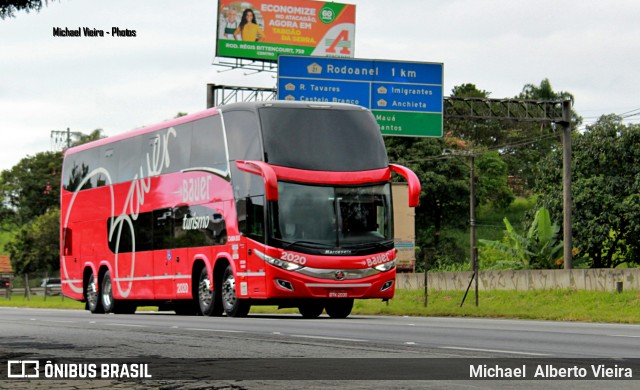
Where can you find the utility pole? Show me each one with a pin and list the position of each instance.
(472, 222)
(566, 183)
(473, 251)
(60, 139)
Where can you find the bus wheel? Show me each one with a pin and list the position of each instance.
(339, 308)
(233, 306)
(94, 304)
(207, 295)
(109, 304)
(311, 308)
(106, 293)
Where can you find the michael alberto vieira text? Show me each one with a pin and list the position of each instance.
(92, 32)
(550, 371)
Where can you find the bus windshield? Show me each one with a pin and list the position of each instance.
(325, 140)
(327, 217)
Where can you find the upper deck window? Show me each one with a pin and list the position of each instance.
(322, 139)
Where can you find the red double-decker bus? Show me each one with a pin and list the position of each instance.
(272, 203)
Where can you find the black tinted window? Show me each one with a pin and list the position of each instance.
(322, 139)
(178, 147)
(243, 135)
(207, 144)
(129, 164)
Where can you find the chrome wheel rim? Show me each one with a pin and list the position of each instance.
(205, 295)
(106, 293)
(229, 292)
(92, 292)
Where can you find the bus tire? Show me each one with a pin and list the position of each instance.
(106, 293)
(110, 304)
(339, 308)
(311, 308)
(92, 296)
(207, 301)
(233, 306)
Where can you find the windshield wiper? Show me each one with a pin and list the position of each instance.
(306, 243)
(288, 244)
(377, 244)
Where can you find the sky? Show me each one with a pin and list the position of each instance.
(588, 48)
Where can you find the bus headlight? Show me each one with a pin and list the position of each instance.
(285, 265)
(385, 266)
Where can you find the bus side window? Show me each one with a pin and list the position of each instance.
(251, 217)
(109, 162)
(162, 228)
(243, 135)
(178, 147)
(129, 161)
(207, 145)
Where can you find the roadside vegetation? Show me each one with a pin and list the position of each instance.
(557, 305)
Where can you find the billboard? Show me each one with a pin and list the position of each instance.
(264, 29)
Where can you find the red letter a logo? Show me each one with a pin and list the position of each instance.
(343, 36)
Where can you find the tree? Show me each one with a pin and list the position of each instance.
(36, 246)
(487, 134)
(529, 142)
(539, 249)
(444, 201)
(520, 144)
(493, 189)
(81, 138)
(31, 187)
(9, 7)
(606, 188)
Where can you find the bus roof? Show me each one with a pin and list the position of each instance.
(143, 130)
(250, 106)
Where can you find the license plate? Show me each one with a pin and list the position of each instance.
(338, 294)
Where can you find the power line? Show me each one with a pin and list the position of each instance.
(485, 150)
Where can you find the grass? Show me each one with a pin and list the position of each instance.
(561, 305)
(38, 301)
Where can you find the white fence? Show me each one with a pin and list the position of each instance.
(573, 279)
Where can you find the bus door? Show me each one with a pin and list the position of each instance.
(165, 254)
(71, 263)
(253, 274)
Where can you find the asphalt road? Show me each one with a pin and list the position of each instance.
(59, 334)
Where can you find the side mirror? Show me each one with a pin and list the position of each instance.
(412, 179)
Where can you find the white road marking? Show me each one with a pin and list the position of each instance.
(327, 338)
(127, 325)
(215, 330)
(623, 335)
(497, 351)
